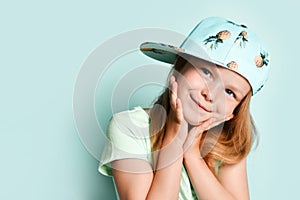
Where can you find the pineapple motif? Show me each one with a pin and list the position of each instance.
(213, 41)
(233, 65)
(262, 59)
(242, 39)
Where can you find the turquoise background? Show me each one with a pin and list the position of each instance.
(42, 47)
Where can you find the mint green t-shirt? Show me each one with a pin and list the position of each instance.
(128, 137)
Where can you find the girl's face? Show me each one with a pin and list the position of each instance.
(207, 91)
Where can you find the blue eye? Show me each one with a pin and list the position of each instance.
(230, 93)
(206, 72)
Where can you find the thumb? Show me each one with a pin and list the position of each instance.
(195, 133)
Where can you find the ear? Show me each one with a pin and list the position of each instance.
(229, 117)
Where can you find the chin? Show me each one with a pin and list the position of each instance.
(193, 115)
(194, 121)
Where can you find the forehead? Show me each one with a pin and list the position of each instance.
(196, 62)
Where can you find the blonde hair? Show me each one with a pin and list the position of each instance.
(227, 143)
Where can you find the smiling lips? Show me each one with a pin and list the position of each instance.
(199, 105)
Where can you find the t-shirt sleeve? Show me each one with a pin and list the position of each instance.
(125, 139)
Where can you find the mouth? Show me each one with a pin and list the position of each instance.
(200, 105)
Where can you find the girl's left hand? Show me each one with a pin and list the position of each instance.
(191, 145)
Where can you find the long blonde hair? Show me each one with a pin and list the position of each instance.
(227, 143)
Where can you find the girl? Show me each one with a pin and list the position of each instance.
(193, 143)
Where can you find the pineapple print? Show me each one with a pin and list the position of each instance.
(233, 65)
(213, 41)
(262, 59)
(242, 39)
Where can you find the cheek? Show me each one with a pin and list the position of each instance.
(181, 90)
(224, 109)
(230, 108)
(183, 86)
(191, 78)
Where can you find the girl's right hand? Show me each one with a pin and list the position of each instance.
(176, 127)
(175, 102)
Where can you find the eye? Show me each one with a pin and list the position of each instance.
(230, 93)
(206, 72)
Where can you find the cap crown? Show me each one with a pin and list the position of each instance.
(232, 46)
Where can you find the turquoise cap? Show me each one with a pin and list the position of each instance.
(223, 43)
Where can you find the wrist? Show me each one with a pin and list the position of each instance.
(171, 139)
(192, 155)
(169, 153)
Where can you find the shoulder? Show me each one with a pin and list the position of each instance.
(136, 116)
(127, 138)
(129, 125)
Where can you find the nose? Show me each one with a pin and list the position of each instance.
(211, 91)
(207, 95)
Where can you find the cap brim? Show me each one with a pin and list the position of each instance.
(168, 53)
(162, 52)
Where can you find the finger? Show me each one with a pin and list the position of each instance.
(203, 127)
(179, 110)
(173, 96)
(172, 79)
(194, 134)
(183, 130)
(216, 122)
(174, 88)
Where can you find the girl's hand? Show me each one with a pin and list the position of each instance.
(175, 133)
(191, 145)
(176, 112)
(176, 127)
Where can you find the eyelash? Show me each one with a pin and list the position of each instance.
(206, 72)
(229, 92)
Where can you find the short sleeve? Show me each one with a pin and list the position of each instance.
(127, 137)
